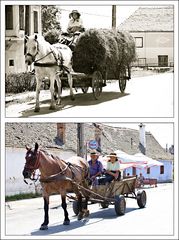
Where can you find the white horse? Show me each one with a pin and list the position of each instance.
(49, 61)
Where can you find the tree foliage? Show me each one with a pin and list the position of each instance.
(49, 18)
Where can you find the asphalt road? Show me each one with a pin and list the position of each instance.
(24, 217)
(149, 96)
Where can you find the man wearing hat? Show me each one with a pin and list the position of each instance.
(95, 167)
(75, 24)
(112, 169)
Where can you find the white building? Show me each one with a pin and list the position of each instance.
(153, 31)
(20, 20)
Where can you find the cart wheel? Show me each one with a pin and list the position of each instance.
(104, 205)
(97, 84)
(122, 80)
(76, 207)
(84, 89)
(120, 205)
(141, 198)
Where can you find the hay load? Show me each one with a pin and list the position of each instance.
(103, 50)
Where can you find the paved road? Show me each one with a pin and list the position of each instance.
(24, 218)
(149, 96)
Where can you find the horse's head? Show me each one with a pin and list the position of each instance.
(31, 49)
(32, 161)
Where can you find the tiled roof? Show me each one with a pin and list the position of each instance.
(113, 138)
(150, 19)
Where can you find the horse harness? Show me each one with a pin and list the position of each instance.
(58, 60)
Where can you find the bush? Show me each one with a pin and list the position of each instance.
(20, 82)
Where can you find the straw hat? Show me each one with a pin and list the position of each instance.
(94, 152)
(74, 11)
(112, 155)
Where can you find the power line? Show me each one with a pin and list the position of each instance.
(91, 14)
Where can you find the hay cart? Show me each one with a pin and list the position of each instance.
(97, 80)
(115, 194)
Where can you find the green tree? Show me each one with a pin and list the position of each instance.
(49, 18)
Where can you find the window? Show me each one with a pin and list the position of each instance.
(139, 42)
(161, 169)
(11, 62)
(148, 170)
(163, 61)
(9, 17)
(21, 17)
(35, 22)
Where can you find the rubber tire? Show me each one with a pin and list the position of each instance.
(141, 198)
(120, 205)
(76, 208)
(104, 205)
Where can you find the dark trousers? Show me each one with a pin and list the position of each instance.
(105, 178)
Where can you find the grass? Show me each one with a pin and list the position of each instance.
(22, 196)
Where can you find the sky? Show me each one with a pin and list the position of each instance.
(163, 132)
(96, 16)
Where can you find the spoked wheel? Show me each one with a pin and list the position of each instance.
(122, 80)
(141, 198)
(97, 84)
(120, 205)
(84, 89)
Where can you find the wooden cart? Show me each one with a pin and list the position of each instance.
(97, 80)
(115, 193)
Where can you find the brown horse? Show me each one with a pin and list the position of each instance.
(58, 176)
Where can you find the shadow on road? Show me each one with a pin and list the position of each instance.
(98, 216)
(80, 100)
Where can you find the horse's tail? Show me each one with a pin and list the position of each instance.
(55, 90)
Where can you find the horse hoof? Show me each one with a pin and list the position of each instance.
(52, 108)
(66, 222)
(80, 216)
(86, 213)
(37, 109)
(43, 227)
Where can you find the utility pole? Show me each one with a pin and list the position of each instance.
(80, 139)
(114, 17)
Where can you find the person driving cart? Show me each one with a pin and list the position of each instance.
(75, 24)
(95, 167)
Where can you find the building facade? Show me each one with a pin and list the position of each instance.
(153, 31)
(20, 20)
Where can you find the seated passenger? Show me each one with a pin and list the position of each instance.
(112, 170)
(95, 167)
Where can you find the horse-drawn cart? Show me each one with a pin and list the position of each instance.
(115, 193)
(96, 81)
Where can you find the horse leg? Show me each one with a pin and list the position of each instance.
(52, 105)
(38, 85)
(44, 225)
(85, 207)
(70, 83)
(59, 87)
(80, 214)
(64, 206)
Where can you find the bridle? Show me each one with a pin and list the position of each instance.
(32, 167)
(58, 61)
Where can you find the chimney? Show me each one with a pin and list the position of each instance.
(142, 138)
(61, 132)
